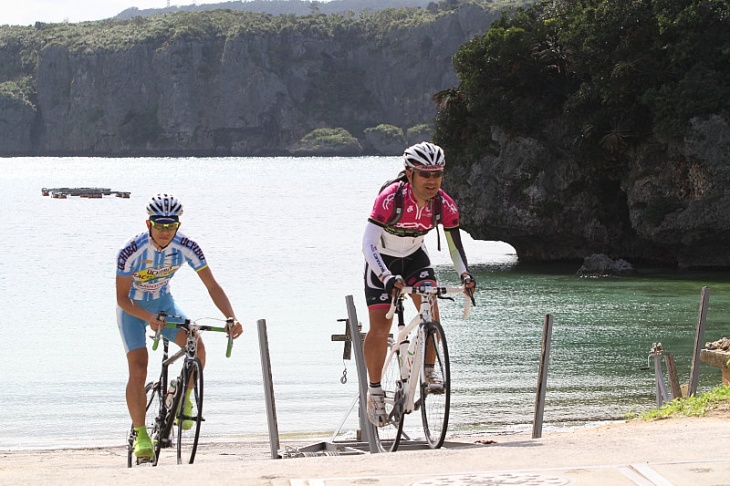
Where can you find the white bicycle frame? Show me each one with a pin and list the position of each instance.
(428, 293)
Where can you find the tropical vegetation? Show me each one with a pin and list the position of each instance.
(610, 73)
(328, 140)
(694, 406)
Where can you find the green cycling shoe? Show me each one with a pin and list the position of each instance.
(143, 445)
(187, 412)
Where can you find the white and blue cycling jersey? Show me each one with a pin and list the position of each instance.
(152, 269)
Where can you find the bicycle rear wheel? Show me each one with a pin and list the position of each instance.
(388, 437)
(154, 396)
(189, 414)
(435, 392)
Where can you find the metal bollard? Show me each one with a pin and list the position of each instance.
(661, 388)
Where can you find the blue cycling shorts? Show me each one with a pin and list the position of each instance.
(132, 329)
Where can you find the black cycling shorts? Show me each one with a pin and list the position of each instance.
(415, 269)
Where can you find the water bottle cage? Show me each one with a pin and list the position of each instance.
(170, 395)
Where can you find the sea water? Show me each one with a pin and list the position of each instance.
(283, 238)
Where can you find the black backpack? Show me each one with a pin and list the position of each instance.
(398, 205)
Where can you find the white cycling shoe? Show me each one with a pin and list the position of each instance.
(376, 409)
(435, 383)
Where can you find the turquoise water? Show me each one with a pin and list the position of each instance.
(283, 238)
(602, 332)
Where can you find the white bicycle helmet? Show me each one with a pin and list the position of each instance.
(424, 156)
(164, 206)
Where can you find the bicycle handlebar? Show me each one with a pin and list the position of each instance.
(190, 326)
(432, 290)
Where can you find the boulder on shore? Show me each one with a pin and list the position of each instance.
(600, 265)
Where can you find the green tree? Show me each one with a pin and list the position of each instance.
(614, 72)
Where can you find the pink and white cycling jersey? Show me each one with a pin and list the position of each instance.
(151, 270)
(407, 235)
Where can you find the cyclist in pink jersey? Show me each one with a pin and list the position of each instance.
(395, 254)
(145, 266)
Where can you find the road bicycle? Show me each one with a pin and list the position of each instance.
(167, 420)
(416, 372)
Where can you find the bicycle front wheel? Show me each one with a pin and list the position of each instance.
(388, 437)
(435, 385)
(189, 414)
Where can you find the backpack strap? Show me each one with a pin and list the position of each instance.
(436, 209)
(397, 206)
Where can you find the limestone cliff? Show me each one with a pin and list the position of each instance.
(672, 206)
(205, 90)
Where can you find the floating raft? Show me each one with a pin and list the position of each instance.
(87, 192)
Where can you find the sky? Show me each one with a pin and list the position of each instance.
(28, 12)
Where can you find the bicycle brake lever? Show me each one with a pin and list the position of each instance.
(470, 292)
(395, 303)
(229, 325)
(156, 342)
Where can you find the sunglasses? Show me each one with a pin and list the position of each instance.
(427, 174)
(165, 227)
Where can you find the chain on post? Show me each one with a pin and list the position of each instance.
(346, 354)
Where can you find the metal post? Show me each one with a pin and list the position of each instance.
(672, 375)
(362, 375)
(661, 389)
(268, 390)
(694, 374)
(547, 331)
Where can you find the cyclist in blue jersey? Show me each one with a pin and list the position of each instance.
(145, 266)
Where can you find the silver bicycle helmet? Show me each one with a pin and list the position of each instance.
(164, 206)
(424, 156)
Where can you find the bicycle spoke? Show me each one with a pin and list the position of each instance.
(436, 390)
(388, 436)
(188, 415)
